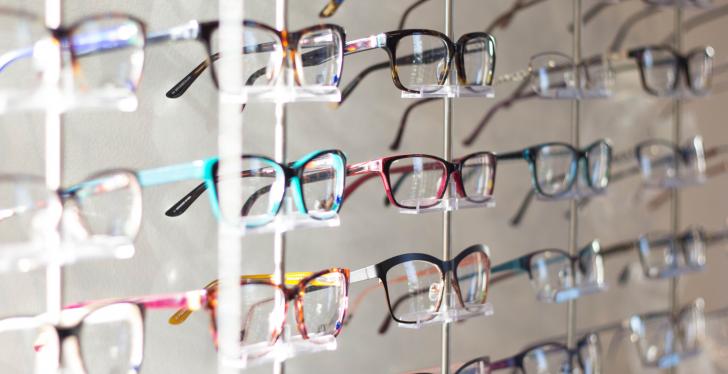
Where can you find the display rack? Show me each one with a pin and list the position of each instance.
(54, 168)
(447, 214)
(575, 140)
(674, 300)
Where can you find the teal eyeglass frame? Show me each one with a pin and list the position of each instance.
(284, 175)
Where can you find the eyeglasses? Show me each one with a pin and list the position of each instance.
(661, 163)
(104, 338)
(320, 300)
(317, 180)
(554, 166)
(557, 276)
(420, 60)
(551, 357)
(424, 179)
(105, 209)
(663, 341)
(419, 280)
(106, 51)
(660, 68)
(316, 52)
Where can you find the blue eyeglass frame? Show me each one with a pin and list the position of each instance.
(531, 154)
(206, 170)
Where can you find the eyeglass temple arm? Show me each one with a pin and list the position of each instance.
(403, 121)
(700, 19)
(504, 19)
(590, 14)
(365, 171)
(627, 25)
(517, 95)
(407, 12)
(185, 83)
(330, 8)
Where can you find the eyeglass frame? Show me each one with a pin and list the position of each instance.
(380, 270)
(369, 169)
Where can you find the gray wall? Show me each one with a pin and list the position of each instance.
(180, 254)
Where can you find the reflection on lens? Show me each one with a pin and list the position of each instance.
(547, 359)
(550, 272)
(323, 185)
(109, 54)
(28, 210)
(422, 62)
(109, 205)
(421, 181)
(551, 73)
(324, 304)
(21, 55)
(261, 320)
(555, 169)
(476, 60)
(658, 254)
(658, 162)
(599, 163)
(700, 66)
(415, 290)
(590, 355)
(472, 275)
(111, 339)
(660, 69)
(478, 176)
(262, 184)
(262, 55)
(320, 56)
(28, 346)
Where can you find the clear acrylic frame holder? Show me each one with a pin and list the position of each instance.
(32, 255)
(293, 346)
(573, 293)
(452, 91)
(284, 90)
(448, 203)
(577, 192)
(289, 219)
(446, 314)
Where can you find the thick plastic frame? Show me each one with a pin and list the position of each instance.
(681, 65)
(382, 167)
(445, 267)
(531, 154)
(389, 42)
(206, 170)
(66, 330)
(288, 42)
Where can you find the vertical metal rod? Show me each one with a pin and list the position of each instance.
(280, 138)
(575, 123)
(676, 137)
(54, 166)
(446, 216)
(230, 147)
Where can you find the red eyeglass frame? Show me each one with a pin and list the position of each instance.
(383, 168)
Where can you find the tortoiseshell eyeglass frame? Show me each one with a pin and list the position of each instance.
(454, 50)
(295, 293)
(287, 41)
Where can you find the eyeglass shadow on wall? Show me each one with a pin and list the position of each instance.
(599, 72)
